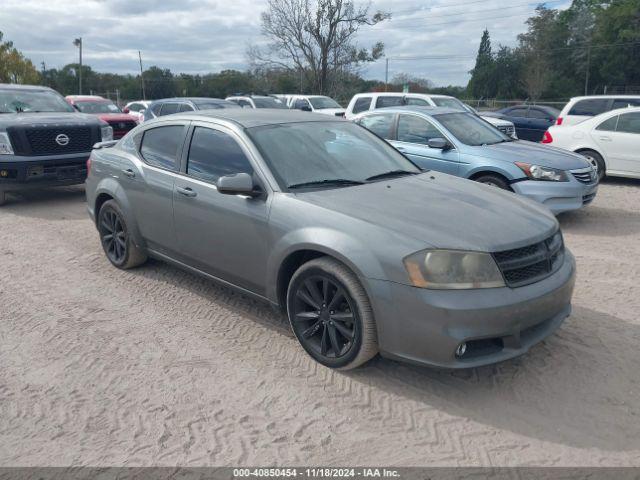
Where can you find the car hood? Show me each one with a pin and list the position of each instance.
(442, 211)
(534, 153)
(52, 118)
(116, 117)
(331, 111)
(496, 121)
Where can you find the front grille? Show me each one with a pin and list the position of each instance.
(585, 175)
(522, 266)
(41, 140)
(507, 129)
(121, 128)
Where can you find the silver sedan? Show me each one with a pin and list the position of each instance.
(363, 251)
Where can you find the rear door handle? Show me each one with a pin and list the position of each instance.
(186, 191)
(401, 149)
(129, 173)
(605, 139)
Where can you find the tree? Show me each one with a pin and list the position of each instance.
(481, 84)
(14, 67)
(315, 39)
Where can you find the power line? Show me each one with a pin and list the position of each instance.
(426, 24)
(440, 7)
(472, 12)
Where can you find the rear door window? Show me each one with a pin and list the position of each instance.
(169, 108)
(608, 125)
(590, 107)
(625, 103)
(517, 112)
(417, 101)
(213, 154)
(185, 107)
(160, 146)
(382, 102)
(381, 124)
(538, 114)
(362, 104)
(629, 123)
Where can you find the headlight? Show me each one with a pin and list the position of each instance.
(107, 133)
(536, 172)
(5, 144)
(453, 269)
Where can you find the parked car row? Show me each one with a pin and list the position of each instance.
(358, 228)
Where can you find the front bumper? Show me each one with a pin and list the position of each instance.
(22, 173)
(426, 326)
(557, 196)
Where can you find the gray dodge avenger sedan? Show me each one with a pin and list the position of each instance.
(364, 252)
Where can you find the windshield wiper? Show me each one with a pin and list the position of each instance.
(327, 182)
(392, 173)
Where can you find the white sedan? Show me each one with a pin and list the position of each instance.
(610, 141)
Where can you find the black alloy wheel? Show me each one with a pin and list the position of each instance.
(324, 318)
(116, 241)
(113, 236)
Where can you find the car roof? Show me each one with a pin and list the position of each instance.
(14, 86)
(424, 110)
(80, 98)
(590, 97)
(402, 94)
(189, 99)
(248, 118)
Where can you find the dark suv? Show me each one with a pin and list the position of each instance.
(168, 106)
(43, 140)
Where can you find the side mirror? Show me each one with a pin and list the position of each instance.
(126, 110)
(306, 108)
(439, 143)
(237, 184)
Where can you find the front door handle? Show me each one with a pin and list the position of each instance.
(186, 191)
(129, 173)
(401, 149)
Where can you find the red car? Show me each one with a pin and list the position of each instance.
(106, 110)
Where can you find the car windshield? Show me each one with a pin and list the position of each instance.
(17, 101)
(471, 130)
(268, 102)
(320, 103)
(327, 154)
(97, 107)
(448, 102)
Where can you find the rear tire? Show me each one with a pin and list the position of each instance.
(493, 181)
(117, 242)
(330, 314)
(3, 197)
(596, 160)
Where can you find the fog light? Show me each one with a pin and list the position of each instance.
(4, 173)
(460, 351)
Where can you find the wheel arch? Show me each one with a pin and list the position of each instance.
(590, 148)
(110, 189)
(286, 260)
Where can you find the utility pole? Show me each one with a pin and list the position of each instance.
(586, 76)
(44, 71)
(386, 75)
(144, 96)
(78, 43)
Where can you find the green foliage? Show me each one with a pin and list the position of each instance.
(14, 67)
(593, 46)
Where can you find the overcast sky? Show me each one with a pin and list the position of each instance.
(198, 36)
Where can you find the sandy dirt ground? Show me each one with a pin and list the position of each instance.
(156, 366)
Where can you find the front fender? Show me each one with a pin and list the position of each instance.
(344, 248)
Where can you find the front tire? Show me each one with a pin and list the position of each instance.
(3, 197)
(330, 314)
(493, 181)
(597, 161)
(117, 243)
